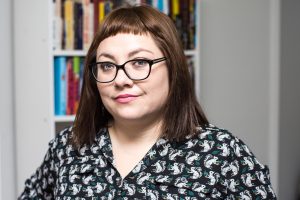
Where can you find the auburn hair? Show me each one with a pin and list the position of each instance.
(182, 113)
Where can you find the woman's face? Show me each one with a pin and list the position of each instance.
(124, 98)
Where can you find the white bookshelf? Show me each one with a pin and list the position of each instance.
(36, 123)
(69, 53)
(67, 118)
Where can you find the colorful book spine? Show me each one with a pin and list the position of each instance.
(57, 25)
(175, 9)
(70, 84)
(184, 14)
(76, 81)
(69, 24)
(166, 7)
(91, 27)
(63, 39)
(78, 25)
(60, 85)
(96, 15)
(107, 7)
(192, 24)
(101, 12)
(81, 75)
(87, 24)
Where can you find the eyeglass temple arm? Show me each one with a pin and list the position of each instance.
(159, 60)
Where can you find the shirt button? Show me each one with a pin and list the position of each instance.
(119, 182)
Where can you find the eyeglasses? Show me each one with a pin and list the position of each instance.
(136, 69)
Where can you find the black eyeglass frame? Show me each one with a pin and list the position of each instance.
(150, 62)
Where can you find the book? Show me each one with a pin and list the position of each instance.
(166, 7)
(78, 25)
(184, 14)
(88, 25)
(177, 16)
(101, 13)
(69, 24)
(76, 82)
(107, 7)
(70, 87)
(192, 24)
(91, 27)
(96, 15)
(60, 85)
(57, 25)
(81, 75)
(175, 9)
(62, 10)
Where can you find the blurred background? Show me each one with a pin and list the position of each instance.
(248, 68)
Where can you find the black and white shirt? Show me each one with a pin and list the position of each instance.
(213, 164)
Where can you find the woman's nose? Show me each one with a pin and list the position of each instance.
(122, 79)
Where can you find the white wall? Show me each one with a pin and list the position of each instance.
(7, 154)
(289, 165)
(33, 83)
(237, 61)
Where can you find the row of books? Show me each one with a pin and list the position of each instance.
(68, 73)
(76, 21)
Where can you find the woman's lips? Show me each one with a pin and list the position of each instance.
(125, 98)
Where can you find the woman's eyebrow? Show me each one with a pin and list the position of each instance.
(130, 54)
(107, 55)
(136, 51)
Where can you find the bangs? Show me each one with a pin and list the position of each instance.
(126, 20)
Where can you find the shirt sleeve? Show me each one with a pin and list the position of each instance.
(41, 184)
(246, 177)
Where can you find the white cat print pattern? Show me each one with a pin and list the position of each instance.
(212, 164)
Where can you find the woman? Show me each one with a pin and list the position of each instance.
(139, 132)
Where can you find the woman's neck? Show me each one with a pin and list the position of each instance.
(138, 133)
(130, 143)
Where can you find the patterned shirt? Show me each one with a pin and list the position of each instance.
(212, 164)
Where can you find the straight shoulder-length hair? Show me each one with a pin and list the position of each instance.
(182, 113)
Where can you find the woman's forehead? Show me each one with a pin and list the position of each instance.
(129, 45)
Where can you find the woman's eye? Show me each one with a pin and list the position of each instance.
(140, 62)
(106, 66)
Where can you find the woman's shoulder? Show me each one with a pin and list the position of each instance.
(62, 139)
(220, 141)
(63, 145)
(213, 133)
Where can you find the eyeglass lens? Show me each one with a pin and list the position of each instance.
(135, 69)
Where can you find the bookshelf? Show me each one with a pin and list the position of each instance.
(36, 122)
